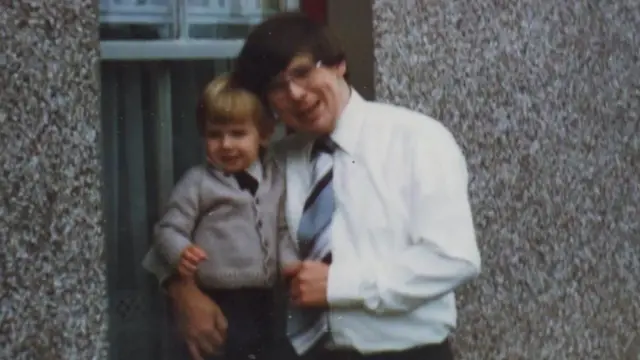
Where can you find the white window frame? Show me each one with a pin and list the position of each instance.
(179, 46)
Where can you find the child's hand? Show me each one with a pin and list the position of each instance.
(189, 260)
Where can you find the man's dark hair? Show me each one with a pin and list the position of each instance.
(273, 44)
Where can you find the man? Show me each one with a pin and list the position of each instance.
(376, 198)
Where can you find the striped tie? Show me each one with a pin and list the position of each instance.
(306, 326)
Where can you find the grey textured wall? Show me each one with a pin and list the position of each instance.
(544, 96)
(52, 271)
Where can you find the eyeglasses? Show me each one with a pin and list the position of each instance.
(299, 75)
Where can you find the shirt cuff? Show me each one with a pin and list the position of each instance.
(349, 285)
(153, 263)
(173, 250)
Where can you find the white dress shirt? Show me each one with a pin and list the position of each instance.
(402, 235)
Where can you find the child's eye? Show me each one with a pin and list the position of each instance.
(214, 134)
(238, 133)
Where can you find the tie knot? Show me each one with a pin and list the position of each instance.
(323, 145)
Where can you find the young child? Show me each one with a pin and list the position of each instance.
(221, 224)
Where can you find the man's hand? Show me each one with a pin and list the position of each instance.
(308, 283)
(201, 321)
(189, 260)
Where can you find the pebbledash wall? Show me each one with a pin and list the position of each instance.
(544, 96)
(53, 293)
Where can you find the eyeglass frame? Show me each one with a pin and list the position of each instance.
(280, 86)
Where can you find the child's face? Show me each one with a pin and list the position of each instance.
(233, 147)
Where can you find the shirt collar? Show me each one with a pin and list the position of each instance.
(349, 123)
(255, 170)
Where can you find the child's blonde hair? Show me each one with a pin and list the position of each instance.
(223, 103)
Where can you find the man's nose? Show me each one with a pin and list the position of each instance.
(296, 91)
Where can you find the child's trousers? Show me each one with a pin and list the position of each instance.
(250, 319)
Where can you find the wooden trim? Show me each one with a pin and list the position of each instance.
(315, 9)
(352, 21)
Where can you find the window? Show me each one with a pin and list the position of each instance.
(180, 29)
(156, 57)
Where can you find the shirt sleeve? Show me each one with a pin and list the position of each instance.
(157, 266)
(442, 253)
(172, 233)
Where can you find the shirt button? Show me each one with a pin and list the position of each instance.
(257, 201)
(259, 223)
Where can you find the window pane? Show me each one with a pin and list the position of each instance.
(226, 19)
(195, 19)
(136, 19)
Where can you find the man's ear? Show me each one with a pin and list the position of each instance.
(340, 69)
